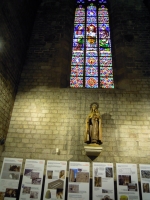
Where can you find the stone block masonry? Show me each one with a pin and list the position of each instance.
(44, 119)
(47, 114)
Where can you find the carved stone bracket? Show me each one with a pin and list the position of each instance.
(93, 149)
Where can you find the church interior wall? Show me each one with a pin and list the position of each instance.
(48, 114)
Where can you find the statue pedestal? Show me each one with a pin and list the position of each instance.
(93, 149)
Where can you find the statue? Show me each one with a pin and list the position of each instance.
(93, 132)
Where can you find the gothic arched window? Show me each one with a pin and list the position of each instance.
(91, 65)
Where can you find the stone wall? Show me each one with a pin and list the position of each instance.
(48, 115)
(17, 19)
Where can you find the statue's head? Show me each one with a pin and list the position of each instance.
(94, 106)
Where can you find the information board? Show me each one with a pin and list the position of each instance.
(10, 176)
(103, 181)
(55, 180)
(32, 180)
(78, 181)
(127, 181)
(145, 181)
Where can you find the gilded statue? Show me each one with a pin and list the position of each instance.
(93, 132)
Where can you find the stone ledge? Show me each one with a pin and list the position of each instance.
(93, 149)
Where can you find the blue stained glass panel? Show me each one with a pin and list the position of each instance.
(80, 12)
(107, 82)
(79, 30)
(104, 31)
(78, 44)
(91, 71)
(91, 11)
(79, 20)
(80, 1)
(91, 34)
(103, 19)
(76, 82)
(91, 53)
(77, 61)
(91, 44)
(102, 1)
(106, 71)
(103, 11)
(77, 70)
(91, 30)
(77, 54)
(105, 61)
(105, 52)
(91, 82)
(92, 61)
(104, 43)
(91, 20)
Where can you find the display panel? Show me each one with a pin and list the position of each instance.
(78, 181)
(55, 180)
(103, 181)
(145, 181)
(127, 181)
(9, 178)
(32, 180)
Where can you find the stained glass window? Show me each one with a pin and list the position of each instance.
(91, 65)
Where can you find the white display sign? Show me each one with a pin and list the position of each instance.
(127, 181)
(32, 180)
(103, 181)
(145, 181)
(9, 179)
(78, 181)
(55, 180)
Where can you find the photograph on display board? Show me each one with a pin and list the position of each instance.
(26, 190)
(76, 175)
(11, 193)
(97, 181)
(49, 174)
(132, 186)
(48, 194)
(73, 188)
(57, 184)
(34, 195)
(27, 172)
(146, 188)
(54, 193)
(14, 176)
(124, 197)
(62, 174)
(145, 174)
(109, 172)
(106, 198)
(34, 175)
(2, 195)
(124, 179)
(59, 193)
(11, 171)
(36, 181)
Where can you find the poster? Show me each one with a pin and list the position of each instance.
(103, 181)
(78, 181)
(55, 180)
(10, 176)
(32, 180)
(127, 182)
(145, 181)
